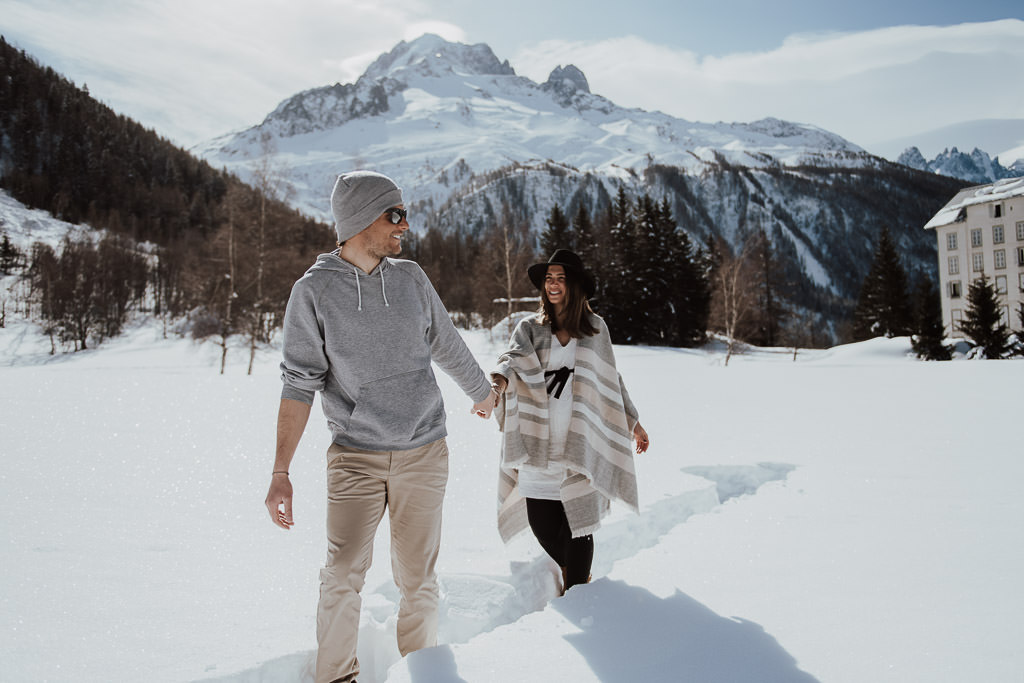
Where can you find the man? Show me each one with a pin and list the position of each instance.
(362, 329)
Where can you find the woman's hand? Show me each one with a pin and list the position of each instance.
(498, 384)
(641, 438)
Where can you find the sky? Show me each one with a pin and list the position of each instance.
(873, 71)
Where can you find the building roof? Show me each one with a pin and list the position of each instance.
(956, 209)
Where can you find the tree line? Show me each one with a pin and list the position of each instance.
(656, 285)
(173, 237)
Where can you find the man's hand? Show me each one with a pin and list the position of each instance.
(279, 501)
(486, 406)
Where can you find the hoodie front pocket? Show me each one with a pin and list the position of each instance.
(396, 409)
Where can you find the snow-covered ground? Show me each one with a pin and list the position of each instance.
(852, 516)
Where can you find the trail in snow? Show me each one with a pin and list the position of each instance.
(475, 604)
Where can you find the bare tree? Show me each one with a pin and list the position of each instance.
(514, 252)
(734, 297)
(270, 179)
(798, 333)
(227, 324)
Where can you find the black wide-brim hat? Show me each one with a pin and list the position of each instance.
(572, 264)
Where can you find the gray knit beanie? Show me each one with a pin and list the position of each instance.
(359, 198)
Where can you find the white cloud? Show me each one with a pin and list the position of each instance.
(193, 69)
(867, 86)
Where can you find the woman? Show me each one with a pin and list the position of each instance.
(566, 419)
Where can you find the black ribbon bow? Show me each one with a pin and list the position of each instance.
(560, 378)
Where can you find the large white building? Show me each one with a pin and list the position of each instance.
(981, 233)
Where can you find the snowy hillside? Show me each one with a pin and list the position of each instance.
(24, 226)
(431, 112)
(818, 520)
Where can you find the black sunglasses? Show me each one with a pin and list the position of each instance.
(396, 215)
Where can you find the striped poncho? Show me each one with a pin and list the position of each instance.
(598, 453)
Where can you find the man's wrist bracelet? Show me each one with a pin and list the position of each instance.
(284, 472)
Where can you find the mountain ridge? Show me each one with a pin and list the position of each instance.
(465, 136)
(975, 167)
(457, 102)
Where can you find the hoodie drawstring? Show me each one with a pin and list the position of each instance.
(359, 289)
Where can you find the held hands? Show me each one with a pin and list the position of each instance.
(641, 438)
(486, 406)
(279, 500)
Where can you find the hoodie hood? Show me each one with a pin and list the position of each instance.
(334, 262)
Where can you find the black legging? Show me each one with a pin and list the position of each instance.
(549, 525)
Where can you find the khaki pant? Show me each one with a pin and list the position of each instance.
(360, 485)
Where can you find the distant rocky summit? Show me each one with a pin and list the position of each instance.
(977, 167)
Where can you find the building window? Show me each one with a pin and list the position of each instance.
(1022, 282)
(954, 289)
(1005, 315)
(1001, 284)
(1000, 258)
(954, 265)
(997, 234)
(1020, 256)
(978, 263)
(976, 237)
(996, 210)
(951, 241)
(1020, 230)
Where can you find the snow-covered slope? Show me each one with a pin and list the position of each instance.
(25, 226)
(819, 520)
(431, 111)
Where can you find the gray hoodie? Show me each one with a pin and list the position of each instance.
(366, 342)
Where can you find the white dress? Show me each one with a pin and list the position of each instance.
(544, 484)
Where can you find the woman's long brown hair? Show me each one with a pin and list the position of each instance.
(577, 310)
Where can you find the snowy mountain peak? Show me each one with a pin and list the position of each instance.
(977, 167)
(567, 80)
(427, 57)
(913, 158)
(433, 113)
(430, 55)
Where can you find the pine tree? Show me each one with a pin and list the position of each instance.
(769, 314)
(983, 322)
(652, 311)
(929, 331)
(883, 308)
(689, 291)
(620, 283)
(587, 244)
(10, 256)
(557, 235)
(1019, 345)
